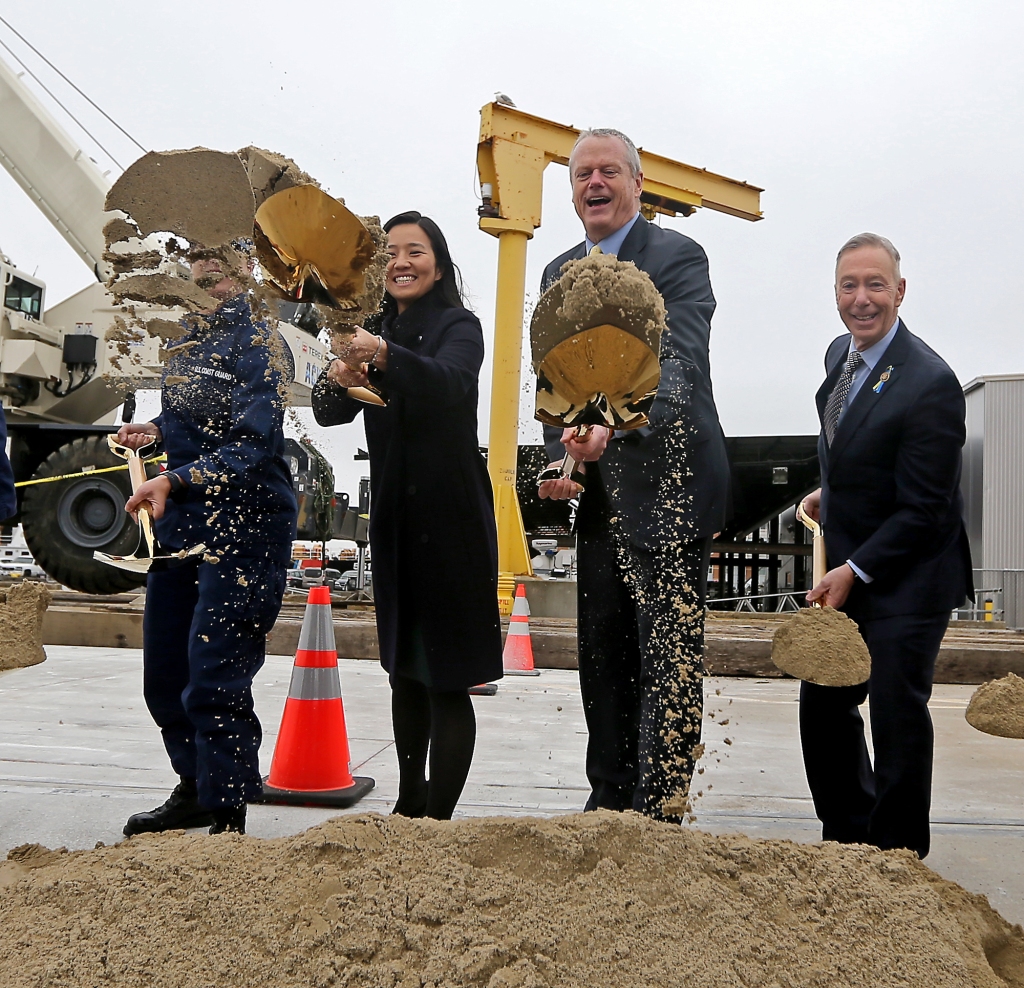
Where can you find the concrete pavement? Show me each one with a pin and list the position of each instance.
(79, 754)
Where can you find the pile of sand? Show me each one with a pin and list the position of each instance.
(602, 899)
(22, 607)
(998, 707)
(592, 283)
(821, 645)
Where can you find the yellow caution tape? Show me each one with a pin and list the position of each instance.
(86, 473)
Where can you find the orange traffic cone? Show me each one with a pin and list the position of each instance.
(311, 760)
(518, 655)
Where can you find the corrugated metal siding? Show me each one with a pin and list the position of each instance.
(973, 476)
(1003, 471)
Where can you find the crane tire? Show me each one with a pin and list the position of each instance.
(65, 521)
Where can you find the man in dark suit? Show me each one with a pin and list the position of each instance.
(892, 415)
(654, 497)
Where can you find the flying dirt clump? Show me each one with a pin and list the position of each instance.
(22, 607)
(998, 707)
(199, 194)
(270, 172)
(163, 289)
(822, 645)
(596, 899)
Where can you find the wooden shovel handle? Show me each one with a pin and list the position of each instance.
(818, 544)
(818, 559)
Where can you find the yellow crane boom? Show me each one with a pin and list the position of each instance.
(513, 151)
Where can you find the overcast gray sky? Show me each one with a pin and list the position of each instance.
(901, 118)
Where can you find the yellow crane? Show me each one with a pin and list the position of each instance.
(513, 151)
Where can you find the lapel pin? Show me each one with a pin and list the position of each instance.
(882, 378)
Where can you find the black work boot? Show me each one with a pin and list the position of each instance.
(228, 820)
(181, 811)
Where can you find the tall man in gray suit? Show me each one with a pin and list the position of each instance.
(654, 497)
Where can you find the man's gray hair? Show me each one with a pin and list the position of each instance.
(632, 155)
(871, 240)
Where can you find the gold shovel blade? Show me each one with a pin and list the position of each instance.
(307, 241)
(367, 395)
(597, 363)
(600, 376)
(131, 563)
(136, 564)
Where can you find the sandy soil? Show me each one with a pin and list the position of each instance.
(602, 899)
(22, 607)
(998, 707)
(821, 645)
(603, 280)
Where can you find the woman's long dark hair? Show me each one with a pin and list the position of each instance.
(448, 289)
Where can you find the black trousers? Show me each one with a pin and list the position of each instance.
(641, 641)
(886, 804)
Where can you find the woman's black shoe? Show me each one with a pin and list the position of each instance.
(229, 820)
(181, 811)
(412, 805)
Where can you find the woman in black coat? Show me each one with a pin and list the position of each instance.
(432, 532)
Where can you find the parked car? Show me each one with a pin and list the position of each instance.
(350, 578)
(312, 576)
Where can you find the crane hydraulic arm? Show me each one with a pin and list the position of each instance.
(513, 151)
(55, 174)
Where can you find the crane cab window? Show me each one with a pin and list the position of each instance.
(23, 296)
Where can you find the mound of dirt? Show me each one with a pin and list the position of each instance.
(22, 607)
(601, 899)
(34, 855)
(600, 280)
(998, 707)
(821, 645)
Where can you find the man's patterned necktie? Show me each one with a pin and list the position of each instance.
(834, 406)
(595, 250)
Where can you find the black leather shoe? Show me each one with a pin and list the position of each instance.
(229, 820)
(181, 811)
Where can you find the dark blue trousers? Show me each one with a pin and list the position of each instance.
(886, 804)
(204, 636)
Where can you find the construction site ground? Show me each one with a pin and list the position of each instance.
(79, 754)
(737, 643)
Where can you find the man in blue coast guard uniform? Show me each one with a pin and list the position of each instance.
(227, 487)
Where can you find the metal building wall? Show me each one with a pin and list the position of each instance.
(993, 488)
(1002, 521)
(972, 480)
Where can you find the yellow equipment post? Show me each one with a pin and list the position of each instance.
(513, 151)
(513, 553)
